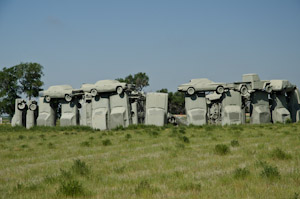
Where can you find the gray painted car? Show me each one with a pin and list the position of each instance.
(102, 86)
(202, 84)
(58, 92)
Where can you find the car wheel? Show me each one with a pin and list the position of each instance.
(47, 98)
(68, 98)
(21, 105)
(190, 91)
(220, 89)
(268, 88)
(119, 90)
(94, 92)
(243, 90)
(32, 107)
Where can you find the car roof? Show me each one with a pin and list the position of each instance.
(65, 87)
(201, 80)
(108, 81)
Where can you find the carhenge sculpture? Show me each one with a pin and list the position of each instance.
(208, 102)
(108, 104)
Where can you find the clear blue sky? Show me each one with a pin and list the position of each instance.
(172, 41)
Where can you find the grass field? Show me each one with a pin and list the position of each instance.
(247, 161)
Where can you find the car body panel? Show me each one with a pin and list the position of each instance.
(58, 91)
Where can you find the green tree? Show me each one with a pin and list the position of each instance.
(175, 101)
(140, 80)
(24, 78)
(30, 78)
(9, 90)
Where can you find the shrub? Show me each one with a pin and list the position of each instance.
(51, 145)
(71, 188)
(128, 136)
(85, 143)
(241, 173)
(288, 121)
(80, 167)
(295, 196)
(119, 128)
(184, 139)
(21, 137)
(222, 149)
(270, 172)
(91, 138)
(24, 146)
(234, 143)
(106, 142)
(280, 154)
(182, 130)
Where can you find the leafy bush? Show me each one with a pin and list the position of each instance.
(51, 145)
(91, 138)
(295, 196)
(222, 149)
(21, 137)
(143, 185)
(270, 172)
(128, 136)
(288, 121)
(184, 139)
(85, 143)
(71, 188)
(24, 146)
(241, 173)
(119, 128)
(80, 167)
(182, 130)
(42, 136)
(234, 143)
(280, 154)
(106, 142)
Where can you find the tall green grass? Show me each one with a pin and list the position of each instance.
(239, 161)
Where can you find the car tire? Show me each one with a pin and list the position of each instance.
(220, 90)
(268, 88)
(94, 92)
(47, 98)
(68, 98)
(119, 90)
(21, 105)
(243, 90)
(32, 107)
(190, 91)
